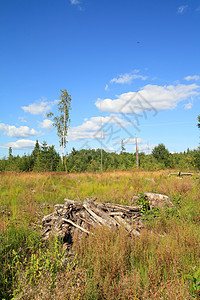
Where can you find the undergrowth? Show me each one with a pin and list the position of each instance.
(110, 264)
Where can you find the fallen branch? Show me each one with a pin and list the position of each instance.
(77, 226)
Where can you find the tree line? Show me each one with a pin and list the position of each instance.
(45, 158)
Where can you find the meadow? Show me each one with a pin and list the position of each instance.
(162, 263)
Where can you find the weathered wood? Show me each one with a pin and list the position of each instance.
(181, 174)
(79, 217)
(121, 221)
(77, 226)
(95, 216)
(86, 221)
(119, 207)
(127, 226)
(99, 212)
(49, 218)
(73, 202)
(158, 200)
(187, 174)
(116, 213)
(59, 206)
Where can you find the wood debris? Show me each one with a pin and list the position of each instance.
(181, 174)
(76, 217)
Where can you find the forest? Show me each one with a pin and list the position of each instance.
(45, 158)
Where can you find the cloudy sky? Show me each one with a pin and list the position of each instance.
(129, 66)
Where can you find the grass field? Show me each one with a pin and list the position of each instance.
(163, 263)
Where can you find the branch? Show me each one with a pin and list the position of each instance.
(77, 226)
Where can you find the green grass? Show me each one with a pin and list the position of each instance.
(109, 264)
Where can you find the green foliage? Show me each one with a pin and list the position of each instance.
(196, 159)
(143, 200)
(45, 158)
(198, 121)
(177, 200)
(195, 281)
(122, 147)
(150, 163)
(15, 245)
(151, 215)
(62, 121)
(49, 260)
(162, 155)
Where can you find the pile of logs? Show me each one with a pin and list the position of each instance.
(75, 217)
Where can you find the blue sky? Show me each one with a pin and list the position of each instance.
(132, 65)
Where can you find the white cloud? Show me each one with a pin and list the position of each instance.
(130, 141)
(150, 97)
(181, 9)
(75, 2)
(127, 78)
(106, 87)
(20, 145)
(46, 124)
(188, 105)
(22, 120)
(39, 107)
(20, 132)
(110, 149)
(90, 129)
(193, 77)
(146, 148)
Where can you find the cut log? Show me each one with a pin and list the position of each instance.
(158, 200)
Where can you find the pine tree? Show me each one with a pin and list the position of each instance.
(36, 157)
(44, 157)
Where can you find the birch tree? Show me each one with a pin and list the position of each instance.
(62, 121)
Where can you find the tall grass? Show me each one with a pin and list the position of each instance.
(109, 264)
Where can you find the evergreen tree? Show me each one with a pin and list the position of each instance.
(53, 159)
(36, 155)
(162, 155)
(44, 157)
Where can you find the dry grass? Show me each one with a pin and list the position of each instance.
(109, 264)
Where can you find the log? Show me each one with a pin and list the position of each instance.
(158, 200)
(96, 218)
(99, 212)
(79, 216)
(181, 174)
(116, 213)
(77, 226)
(187, 174)
(127, 226)
(73, 202)
(119, 207)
